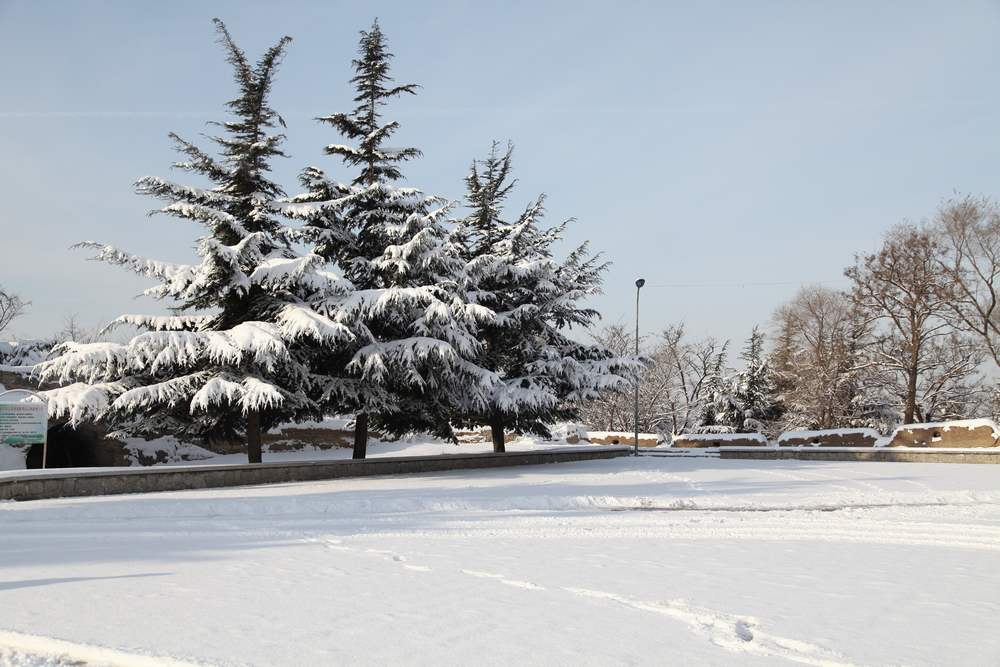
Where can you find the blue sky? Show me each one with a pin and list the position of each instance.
(708, 147)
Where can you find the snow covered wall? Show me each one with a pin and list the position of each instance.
(693, 440)
(839, 437)
(960, 433)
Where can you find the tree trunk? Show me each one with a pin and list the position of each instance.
(496, 429)
(360, 435)
(911, 396)
(253, 437)
(910, 407)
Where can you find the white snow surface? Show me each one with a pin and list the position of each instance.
(628, 561)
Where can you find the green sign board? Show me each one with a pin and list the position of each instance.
(23, 424)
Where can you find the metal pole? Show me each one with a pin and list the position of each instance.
(638, 285)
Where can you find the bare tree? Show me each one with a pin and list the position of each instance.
(74, 331)
(901, 289)
(820, 361)
(11, 307)
(673, 389)
(612, 411)
(967, 229)
(900, 286)
(693, 365)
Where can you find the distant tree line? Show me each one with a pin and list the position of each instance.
(915, 338)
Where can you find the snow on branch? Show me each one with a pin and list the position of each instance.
(212, 217)
(160, 322)
(169, 393)
(305, 271)
(297, 322)
(82, 401)
(84, 362)
(164, 189)
(151, 268)
(250, 394)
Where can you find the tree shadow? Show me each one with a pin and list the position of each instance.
(52, 581)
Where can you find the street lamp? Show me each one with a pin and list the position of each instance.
(638, 285)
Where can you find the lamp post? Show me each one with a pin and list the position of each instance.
(638, 286)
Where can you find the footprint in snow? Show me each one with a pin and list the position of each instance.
(509, 582)
(417, 568)
(743, 630)
(522, 584)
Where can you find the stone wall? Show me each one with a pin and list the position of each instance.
(961, 434)
(140, 480)
(858, 437)
(621, 438)
(698, 440)
(874, 454)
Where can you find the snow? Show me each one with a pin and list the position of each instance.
(628, 561)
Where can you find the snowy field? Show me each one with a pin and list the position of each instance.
(630, 561)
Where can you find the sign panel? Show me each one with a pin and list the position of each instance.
(23, 424)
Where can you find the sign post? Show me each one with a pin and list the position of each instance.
(24, 422)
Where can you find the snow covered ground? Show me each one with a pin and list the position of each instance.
(628, 561)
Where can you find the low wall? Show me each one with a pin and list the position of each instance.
(880, 454)
(622, 438)
(48, 484)
(697, 440)
(963, 434)
(858, 437)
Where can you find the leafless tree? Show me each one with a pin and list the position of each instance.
(673, 388)
(967, 229)
(613, 410)
(697, 364)
(11, 307)
(901, 289)
(74, 331)
(820, 361)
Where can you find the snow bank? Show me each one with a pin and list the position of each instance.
(164, 450)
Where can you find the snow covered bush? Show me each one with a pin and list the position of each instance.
(23, 353)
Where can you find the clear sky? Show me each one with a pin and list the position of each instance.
(700, 145)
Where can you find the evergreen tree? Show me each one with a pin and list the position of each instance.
(415, 332)
(235, 356)
(719, 399)
(510, 269)
(753, 389)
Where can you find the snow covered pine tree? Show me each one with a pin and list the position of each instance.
(751, 405)
(415, 335)
(544, 375)
(235, 358)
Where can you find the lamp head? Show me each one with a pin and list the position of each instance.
(640, 282)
